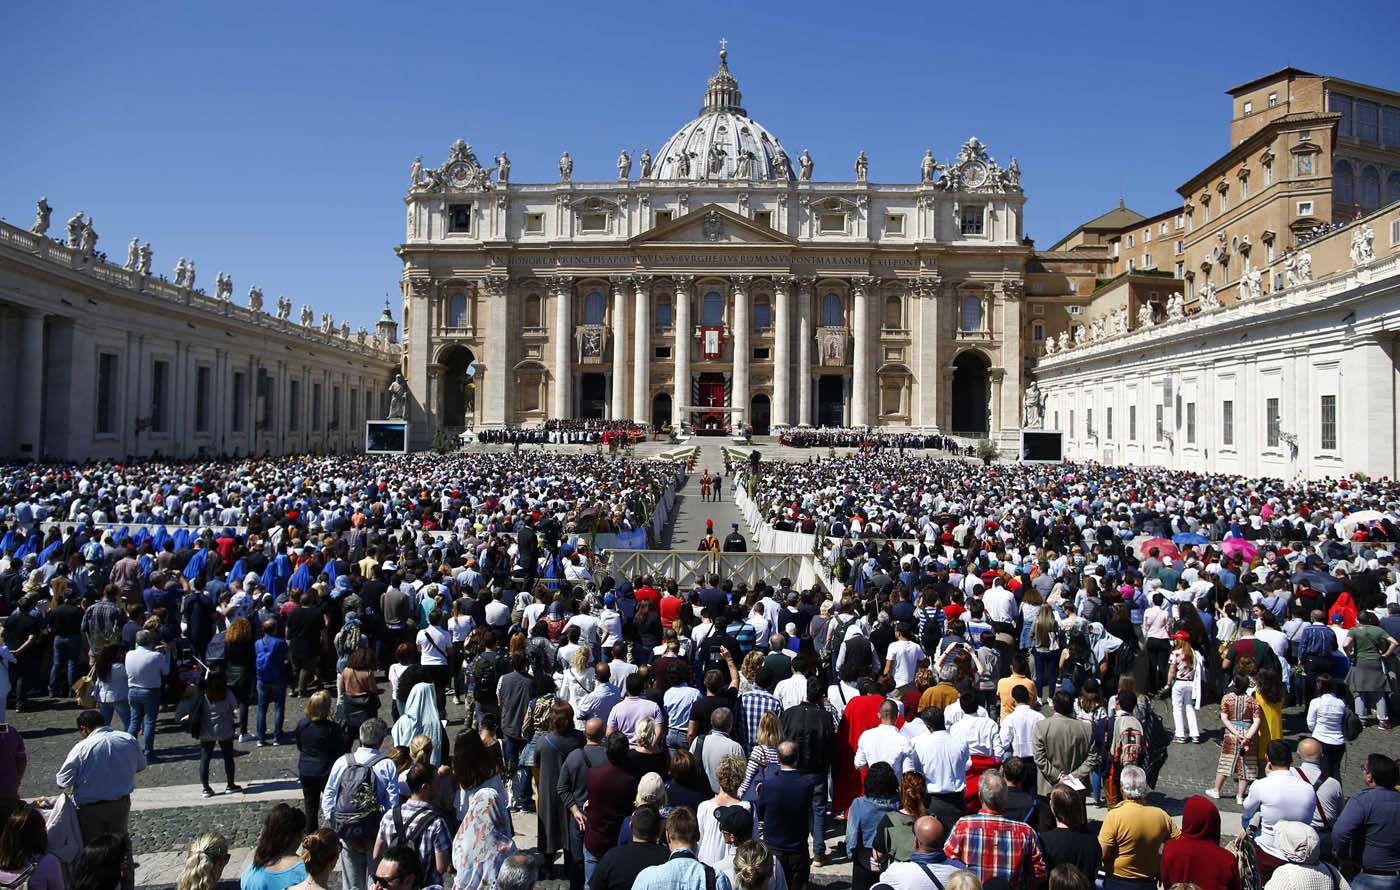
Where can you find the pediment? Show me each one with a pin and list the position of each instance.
(712, 224)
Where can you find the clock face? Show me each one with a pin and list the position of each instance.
(974, 174)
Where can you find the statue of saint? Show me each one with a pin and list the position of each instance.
(345, 330)
(743, 168)
(308, 318)
(624, 165)
(862, 167)
(645, 161)
(398, 399)
(717, 156)
(180, 271)
(805, 164)
(133, 255)
(1304, 267)
(566, 167)
(782, 167)
(683, 165)
(189, 275)
(1209, 300)
(42, 214)
(87, 239)
(145, 265)
(1145, 316)
(75, 230)
(927, 167)
(255, 298)
(415, 173)
(1031, 407)
(1050, 345)
(1176, 307)
(503, 167)
(1013, 174)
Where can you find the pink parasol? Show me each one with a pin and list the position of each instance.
(1239, 547)
(1165, 548)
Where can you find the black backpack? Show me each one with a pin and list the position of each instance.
(356, 815)
(1156, 740)
(487, 673)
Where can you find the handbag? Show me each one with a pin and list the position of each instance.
(1243, 847)
(83, 688)
(1351, 726)
(529, 755)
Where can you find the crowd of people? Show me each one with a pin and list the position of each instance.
(946, 714)
(867, 439)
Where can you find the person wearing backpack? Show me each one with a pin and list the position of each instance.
(362, 786)
(270, 662)
(1127, 744)
(416, 823)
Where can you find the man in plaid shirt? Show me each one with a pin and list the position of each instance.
(994, 846)
(754, 704)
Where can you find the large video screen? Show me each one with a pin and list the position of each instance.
(389, 436)
(1042, 446)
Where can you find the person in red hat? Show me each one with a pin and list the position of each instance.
(1184, 668)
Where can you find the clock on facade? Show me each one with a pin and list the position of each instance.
(974, 174)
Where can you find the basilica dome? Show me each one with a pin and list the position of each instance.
(723, 142)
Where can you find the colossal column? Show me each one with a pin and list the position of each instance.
(782, 340)
(620, 285)
(742, 350)
(494, 406)
(860, 360)
(681, 351)
(641, 354)
(563, 287)
(804, 351)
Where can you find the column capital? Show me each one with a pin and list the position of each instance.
(741, 282)
(643, 283)
(805, 283)
(496, 285)
(784, 283)
(684, 283)
(862, 285)
(561, 283)
(1013, 289)
(620, 282)
(419, 285)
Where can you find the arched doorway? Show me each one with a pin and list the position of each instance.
(458, 409)
(759, 417)
(970, 389)
(592, 396)
(661, 410)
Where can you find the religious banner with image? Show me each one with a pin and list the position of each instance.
(591, 343)
(831, 343)
(712, 341)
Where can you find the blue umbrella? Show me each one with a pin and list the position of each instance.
(1190, 539)
(1319, 581)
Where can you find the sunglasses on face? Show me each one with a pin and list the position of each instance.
(390, 881)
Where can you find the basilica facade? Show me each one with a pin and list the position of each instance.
(724, 283)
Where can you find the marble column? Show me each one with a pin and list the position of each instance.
(29, 414)
(782, 341)
(563, 348)
(680, 398)
(743, 351)
(860, 353)
(641, 353)
(1009, 402)
(804, 351)
(927, 349)
(620, 285)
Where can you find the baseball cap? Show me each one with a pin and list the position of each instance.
(735, 820)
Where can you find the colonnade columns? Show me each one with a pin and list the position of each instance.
(997, 377)
(620, 285)
(742, 350)
(681, 398)
(563, 288)
(928, 353)
(1009, 401)
(641, 354)
(860, 361)
(782, 340)
(29, 417)
(804, 351)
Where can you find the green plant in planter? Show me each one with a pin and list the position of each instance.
(987, 451)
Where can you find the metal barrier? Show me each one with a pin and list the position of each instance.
(690, 567)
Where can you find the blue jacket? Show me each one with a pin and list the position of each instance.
(272, 667)
(785, 808)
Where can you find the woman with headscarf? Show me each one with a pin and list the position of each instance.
(1302, 870)
(420, 717)
(1196, 857)
(482, 843)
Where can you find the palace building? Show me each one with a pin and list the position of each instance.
(724, 283)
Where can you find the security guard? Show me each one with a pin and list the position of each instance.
(734, 542)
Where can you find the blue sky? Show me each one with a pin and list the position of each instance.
(273, 140)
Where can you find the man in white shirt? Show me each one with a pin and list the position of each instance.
(587, 625)
(1279, 796)
(1018, 727)
(1330, 800)
(1000, 605)
(954, 712)
(904, 656)
(978, 731)
(609, 623)
(884, 743)
(793, 691)
(941, 758)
